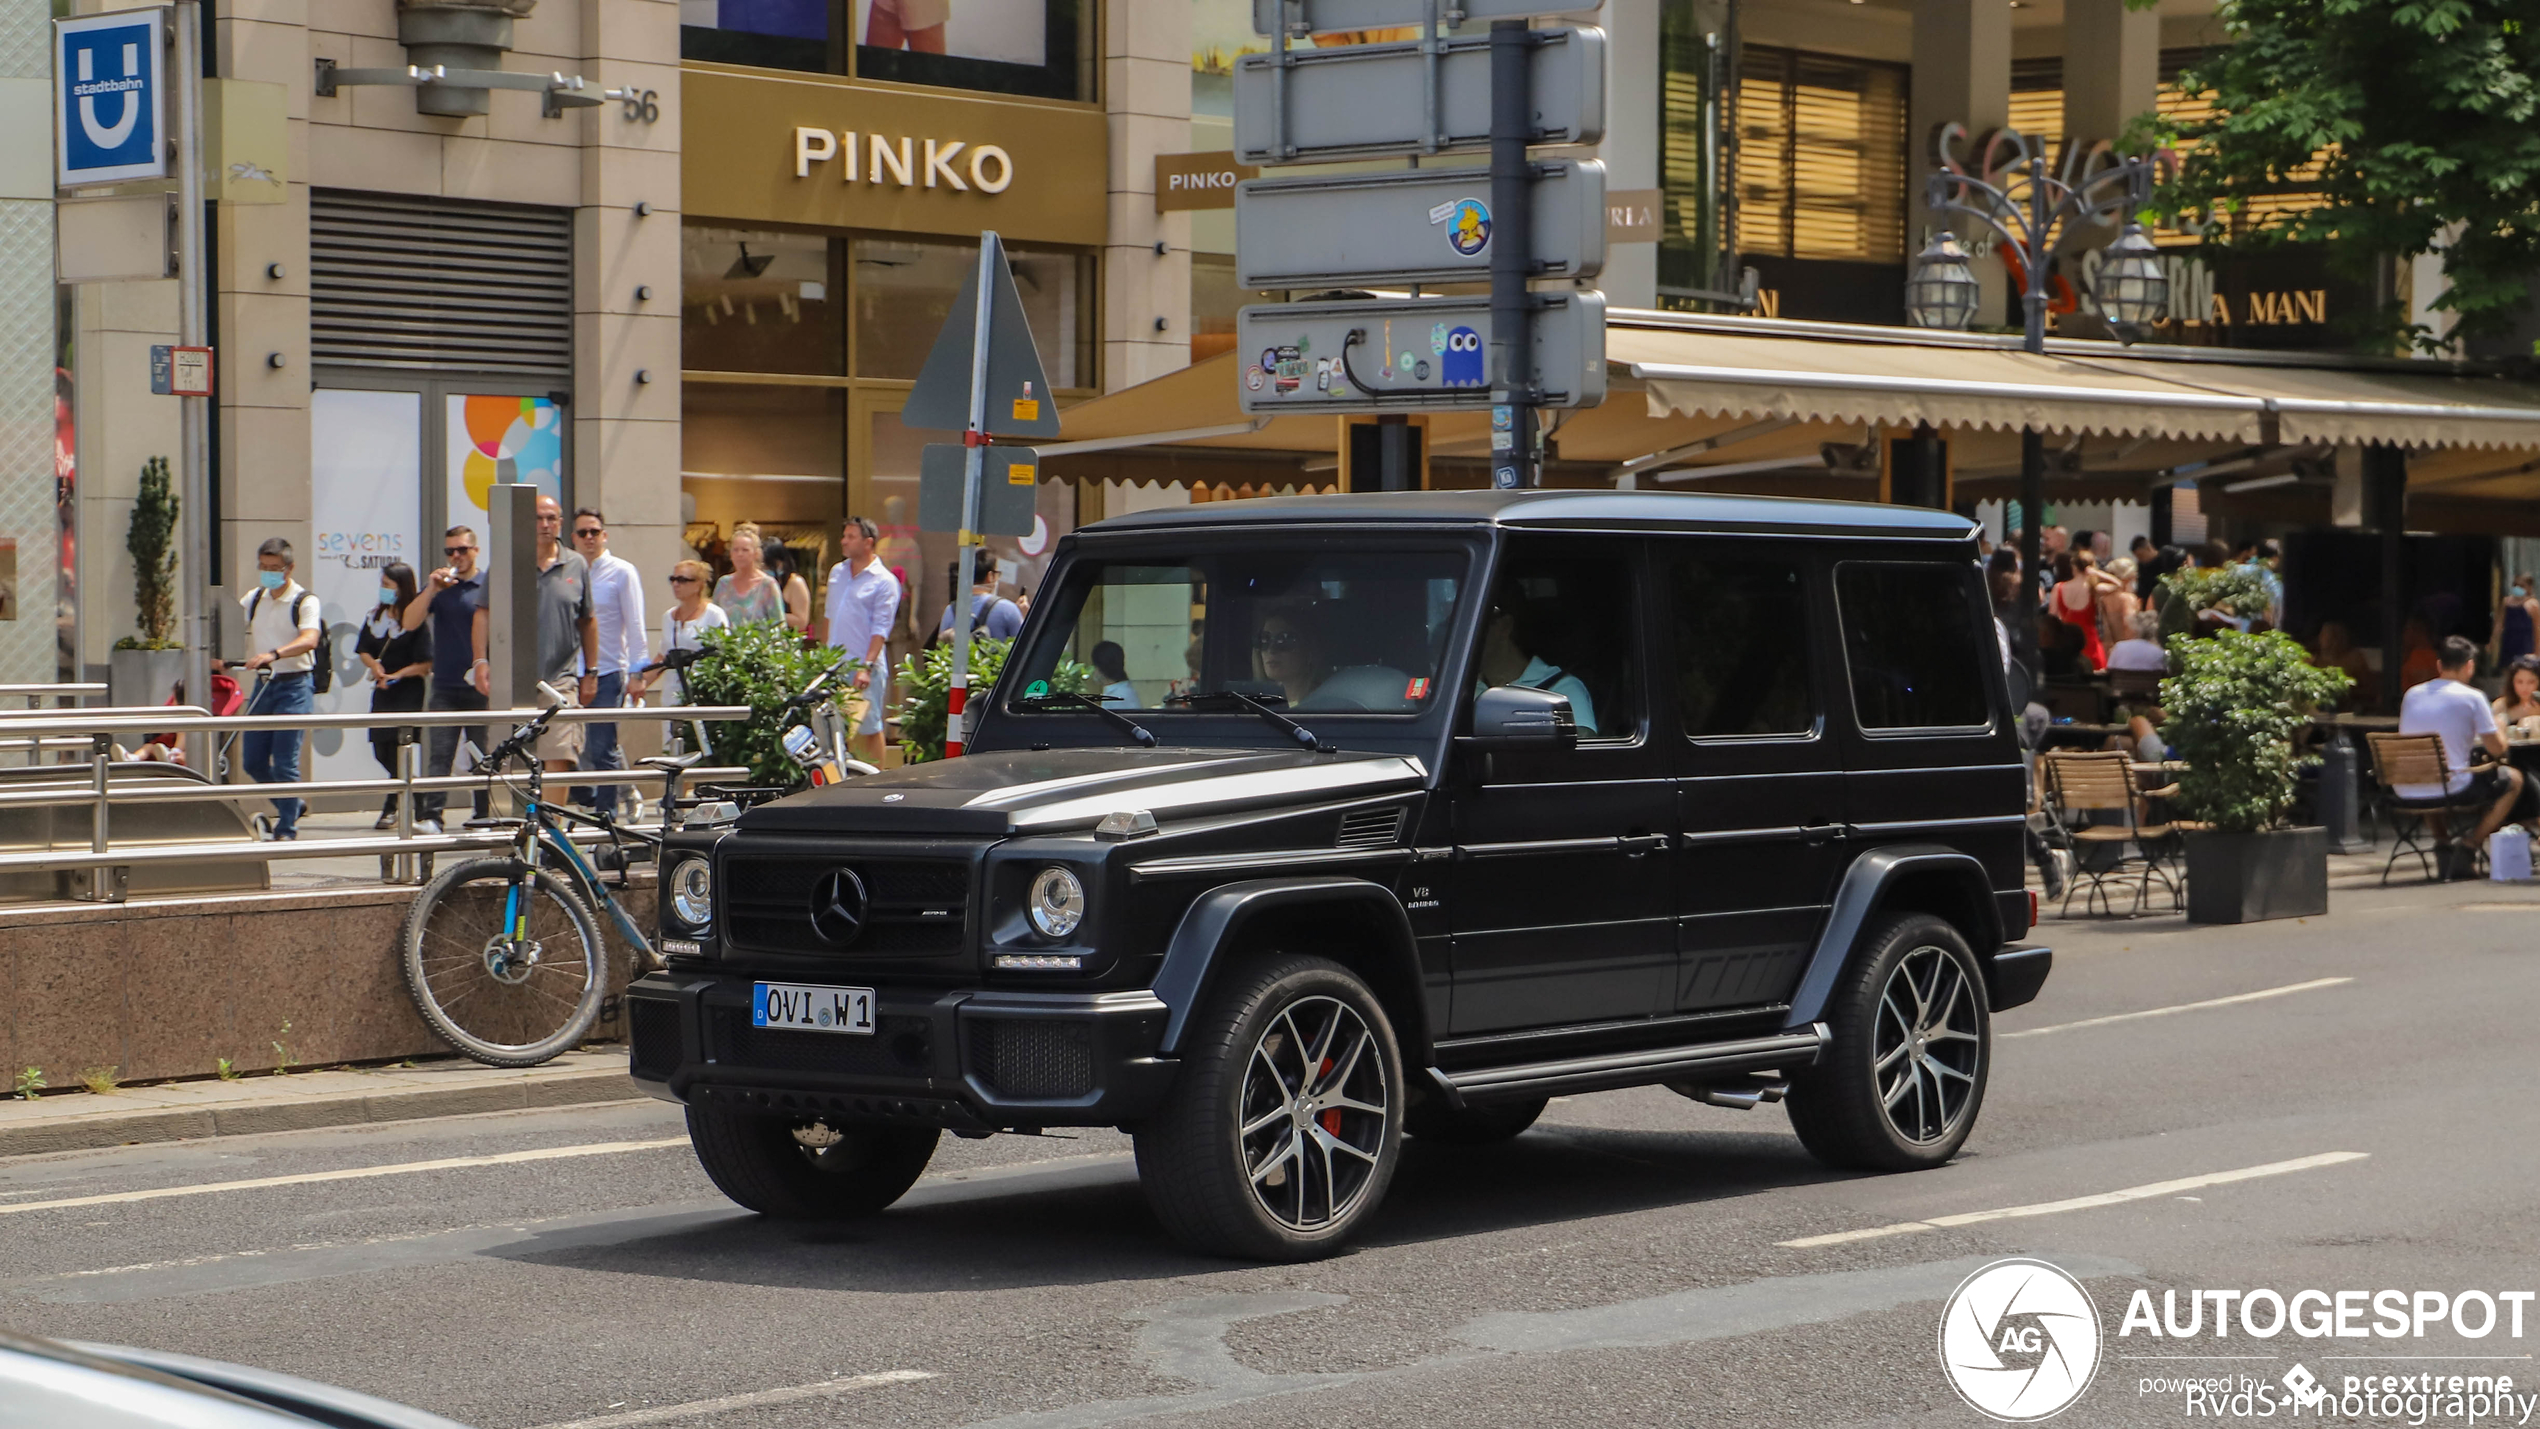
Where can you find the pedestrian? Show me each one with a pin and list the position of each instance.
(690, 616)
(568, 638)
(283, 629)
(749, 594)
(453, 602)
(864, 601)
(617, 609)
(2517, 622)
(991, 614)
(400, 663)
(785, 568)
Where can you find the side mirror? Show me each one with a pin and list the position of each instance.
(1517, 717)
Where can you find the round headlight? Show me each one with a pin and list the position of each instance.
(692, 892)
(1057, 903)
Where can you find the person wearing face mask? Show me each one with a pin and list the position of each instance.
(398, 660)
(2517, 622)
(283, 628)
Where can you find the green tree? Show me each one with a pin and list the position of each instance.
(2234, 706)
(151, 538)
(2409, 118)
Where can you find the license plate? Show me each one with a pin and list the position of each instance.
(808, 1008)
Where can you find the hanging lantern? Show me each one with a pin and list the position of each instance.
(1941, 291)
(2133, 287)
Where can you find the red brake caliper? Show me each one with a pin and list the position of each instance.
(1331, 1119)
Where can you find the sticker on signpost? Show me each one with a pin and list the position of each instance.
(1467, 226)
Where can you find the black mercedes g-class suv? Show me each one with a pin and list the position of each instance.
(1294, 826)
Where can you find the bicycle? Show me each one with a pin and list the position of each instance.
(502, 955)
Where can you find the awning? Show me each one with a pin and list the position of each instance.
(1899, 378)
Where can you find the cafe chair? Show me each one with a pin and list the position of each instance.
(2420, 826)
(2131, 687)
(2080, 786)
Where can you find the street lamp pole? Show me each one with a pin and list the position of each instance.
(2030, 210)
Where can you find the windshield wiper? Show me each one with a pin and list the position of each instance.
(1061, 699)
(1302, 735)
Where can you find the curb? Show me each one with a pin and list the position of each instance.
(91, 1131)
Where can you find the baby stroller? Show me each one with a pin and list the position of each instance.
(227, 699)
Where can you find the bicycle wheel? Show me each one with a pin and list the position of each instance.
(506, 1001)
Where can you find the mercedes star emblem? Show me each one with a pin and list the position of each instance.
(837, 906)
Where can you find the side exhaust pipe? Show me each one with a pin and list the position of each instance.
(1738, 1096)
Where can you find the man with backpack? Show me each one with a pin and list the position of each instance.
(991, 614)
(285, 638)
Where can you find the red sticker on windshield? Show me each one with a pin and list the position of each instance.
(1416, 690)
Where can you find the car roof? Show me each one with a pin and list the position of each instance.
(1560, 509)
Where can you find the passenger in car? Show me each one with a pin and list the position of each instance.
(1290, 648)
(1509, 640)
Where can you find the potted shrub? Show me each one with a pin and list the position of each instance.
(926, 682)
(2233, 704)
(761, 664)
(144, 669)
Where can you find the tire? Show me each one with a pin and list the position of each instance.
(1872, 1103)
(484, 1000)
(1434, 1121)
(756, 1161)
(1251, 1154)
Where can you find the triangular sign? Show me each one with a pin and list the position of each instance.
(1018, 392)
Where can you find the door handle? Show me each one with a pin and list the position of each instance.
(1813, 834)
(1637, 845)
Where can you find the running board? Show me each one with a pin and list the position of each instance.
(1710, 1062)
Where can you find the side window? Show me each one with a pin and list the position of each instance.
(1565, 624)
(1910, 638)
(1741, 645)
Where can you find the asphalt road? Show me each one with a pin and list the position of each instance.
(1626, 1263)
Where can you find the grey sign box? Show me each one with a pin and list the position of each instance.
(1386, 228)
(1366, 101)
(1019, 402)
(1298, 358)
(1005, 509)
(1324, 16)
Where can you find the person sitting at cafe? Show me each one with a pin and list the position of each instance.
(2141, 650)
(2521, 699)
(2452, 710)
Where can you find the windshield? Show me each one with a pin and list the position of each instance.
(1342, 631)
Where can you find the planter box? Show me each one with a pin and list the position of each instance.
(143, 677)
(2248, 878)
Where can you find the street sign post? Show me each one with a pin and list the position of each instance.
(1410, 354)
(1417, 226)
(1009, 490)
(1368, 101)
(1517, 221)
(1321, 17)
(983, 378)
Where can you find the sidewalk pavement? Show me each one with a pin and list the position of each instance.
(178, 1111)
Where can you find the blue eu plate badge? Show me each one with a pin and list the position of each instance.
(109, 72)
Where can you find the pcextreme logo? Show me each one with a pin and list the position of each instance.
(2019, 1341)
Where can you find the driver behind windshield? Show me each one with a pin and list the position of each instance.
(1511, 640)
(1290, 650)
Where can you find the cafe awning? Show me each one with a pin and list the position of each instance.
(1894, 377)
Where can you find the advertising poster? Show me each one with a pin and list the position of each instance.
(366, 495)
(491, 439)
(1011, 32)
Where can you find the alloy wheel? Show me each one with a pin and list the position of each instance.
(1315, 1106)
(1925, 1052)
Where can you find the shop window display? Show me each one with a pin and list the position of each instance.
(904, 290)
(760, 301)
(1039, 48)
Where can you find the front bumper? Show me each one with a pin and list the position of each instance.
(964, 1058)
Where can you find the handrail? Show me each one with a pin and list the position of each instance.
(264, 851)
(41, 691)
(127, 722)
(180, 792)
(38, 712)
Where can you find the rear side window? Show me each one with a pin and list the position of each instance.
(1910, 638)
(1741, 646)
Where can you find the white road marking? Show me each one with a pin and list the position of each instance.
(700, 1407)
(2081, 1203)
(2238, 997)
(354, 1173)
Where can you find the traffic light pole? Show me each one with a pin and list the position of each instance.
(1514, 462)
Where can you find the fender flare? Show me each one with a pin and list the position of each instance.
(1220, 915)
(1864, 888)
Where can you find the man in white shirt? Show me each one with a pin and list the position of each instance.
(617, 610)
(2453, 710)
(864, 599)
(283, 629)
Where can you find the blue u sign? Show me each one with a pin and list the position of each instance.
(108, 71)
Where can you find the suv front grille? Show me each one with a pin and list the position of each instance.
(899, 1046)
(652, 1030)
(1033, 1060)
(914, 907)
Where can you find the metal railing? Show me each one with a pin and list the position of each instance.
(402, 855)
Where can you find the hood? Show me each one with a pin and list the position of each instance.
(1056, 791)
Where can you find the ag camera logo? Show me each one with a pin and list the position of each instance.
(2020, 1341)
